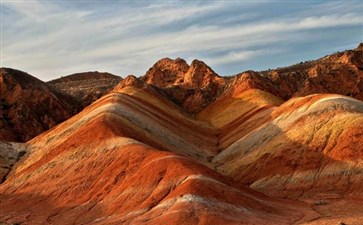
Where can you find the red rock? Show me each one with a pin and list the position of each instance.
(192, 87)
(29, 106)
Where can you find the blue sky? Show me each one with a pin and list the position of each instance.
(50, 38)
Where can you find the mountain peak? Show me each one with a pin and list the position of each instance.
(166, 72)
(130, 80)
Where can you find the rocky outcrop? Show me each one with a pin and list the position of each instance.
(191, 87)
(166, 72)
(86, 87)
(29, 106)
(10, 153)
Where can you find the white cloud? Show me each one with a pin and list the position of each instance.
(330, 21)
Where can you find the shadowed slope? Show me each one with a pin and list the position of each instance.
(29, 106)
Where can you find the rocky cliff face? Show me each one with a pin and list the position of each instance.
(29, 106)
(192, 87)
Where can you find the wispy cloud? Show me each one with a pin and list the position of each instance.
(49, 39)
(241, 56)
(35, 10)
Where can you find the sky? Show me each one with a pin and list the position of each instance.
(53, 38)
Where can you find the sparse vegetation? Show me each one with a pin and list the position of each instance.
(321, 202)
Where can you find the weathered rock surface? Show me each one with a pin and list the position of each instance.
(192, 87)
(29, 106)
(10, 153)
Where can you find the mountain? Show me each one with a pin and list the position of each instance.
(29, 106)
(183, 145)
(194, 87)
(87, 86)
(131, 158)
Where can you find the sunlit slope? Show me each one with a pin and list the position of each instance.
(312, 145)
(230, 108)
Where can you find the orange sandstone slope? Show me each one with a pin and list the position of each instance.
(105, 166)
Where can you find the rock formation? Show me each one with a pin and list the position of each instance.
(29, 106)
(192, 87)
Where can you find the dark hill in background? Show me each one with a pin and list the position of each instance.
(88, 86)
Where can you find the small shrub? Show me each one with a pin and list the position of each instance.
(321, 202)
